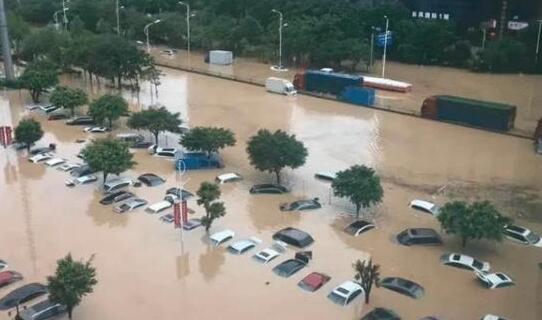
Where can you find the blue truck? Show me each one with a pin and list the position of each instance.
(326, 82)
(197, 161)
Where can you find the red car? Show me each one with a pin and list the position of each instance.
(8, 277)
(313, 281)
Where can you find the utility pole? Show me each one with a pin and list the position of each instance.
(385, 47)
(372, 44)
(6, 45)
(538, 40)
(503, 18)
(118, 18)
(281, 24)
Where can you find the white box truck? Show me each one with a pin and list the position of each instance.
(221, 57)
(280, 86)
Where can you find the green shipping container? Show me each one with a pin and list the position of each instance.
(476, 113)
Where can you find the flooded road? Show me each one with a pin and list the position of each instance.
(148, 270)
(520, 90)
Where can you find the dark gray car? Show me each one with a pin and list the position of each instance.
(21, 295)
(43, 311)
(403, 286)
(289, 267)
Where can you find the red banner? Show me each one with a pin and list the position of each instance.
(185, 212)
(177, 214)
(9, 138)
(5, 136)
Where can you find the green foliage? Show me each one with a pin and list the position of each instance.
(68, 98)
(47, 43)
(71, 282)
(108, 107)
(28, 131)
(273, 152)
(18, 30)
(11, 84)
(37, 77)
(109, 156)
(360, 185)
(208, 193)
(479, 220)
(367, 274)
(208, 139)
(506, 55)
(155, 121)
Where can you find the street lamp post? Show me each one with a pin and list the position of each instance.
(385, 47)
(187, 26)
(280, 36)
(64, 9)
(118, 17)
(146, 31)
(538, 40)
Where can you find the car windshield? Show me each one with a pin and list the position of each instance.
(532, 238)
(477, 264)
(124, 206)
(336, 298)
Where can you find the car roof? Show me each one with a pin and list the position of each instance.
(300, 237)
(12, 299)
(315, 279)
(135, 201)
(242, 244)
(423, 204)
(461, 258)
(359, 224)
(269, 252)
(422, 232)
(328, 174)
(227, 176)
(160, 205)
(518, 229)
(497, 277)
(349, 286)
(7, 275)
(221, 235)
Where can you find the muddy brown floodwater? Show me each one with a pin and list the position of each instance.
(520, 90)
(148, 270)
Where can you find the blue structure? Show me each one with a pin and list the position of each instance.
(359, 96)
(198, 160)
(330, 82)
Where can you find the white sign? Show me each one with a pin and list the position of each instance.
(517, 25)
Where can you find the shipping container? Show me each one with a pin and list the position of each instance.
(220, 57)
(359, 96)
(326, 82)
(476, 113)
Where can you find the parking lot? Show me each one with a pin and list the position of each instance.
(148, 270)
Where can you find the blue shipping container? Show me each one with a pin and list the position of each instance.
(198, 160)
(359, 96)
(330, 82)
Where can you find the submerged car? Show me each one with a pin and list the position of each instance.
(177, 192)
(266, 255)
(58, 116)
(228, 177)
(294, 237)
(301, 205)
(158, 207)
(403, 286)
(492, 317)
(81, 180)
(40, 157)
(167, 218)
(326, 175)
(150, 179)
(169, 153)
(289, 267)
(424, 206)
(222, 236)
(3, 265)
(192, 224)
(522, 235)
(345, 292)
(54, 162)
(43, 310)
(358, 227)
(463, 261)
(381, 314)
(494, 280)
(9, 277)
(313, 281)
(242, 246)
(269, 188)
(22, 294)
(96, 129)
(49, 108)
(419, 236)
(129, 205)
(116, 197)
(67, 167)
(83, 120)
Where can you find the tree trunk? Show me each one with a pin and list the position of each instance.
(277, 174)
(72, 111)
(358, 207)
(367, 294)
(156, 137)
(110, 123)
(464, 241)
(119, 81)
(105, 177)
(70, 311)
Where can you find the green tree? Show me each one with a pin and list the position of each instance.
(37, 77)
(367, 274)
(479, 220)
(72, 281)
(109, 156)
(18, 30)
(68, 98)
(360, 185)
(272, 152)
(28, 131)
(207, 139)
(108, 107)
(208, 193)
(155, 121)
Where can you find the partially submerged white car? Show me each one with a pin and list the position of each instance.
(242, 246)
(424, 206)
(494, 280)
(222, 236)
(266, 255)
(96, 129)
(345, 293)
(55, 162)
(228, 177)
(158, 207)
(81, 180)
(68, 166)
(463, 261)
(522, 235)
(40, 157)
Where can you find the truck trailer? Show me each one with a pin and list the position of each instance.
(476, 113)
(325, 82)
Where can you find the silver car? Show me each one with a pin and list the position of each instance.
(43, 311)
(129, 205)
